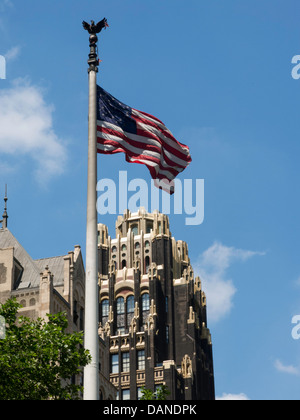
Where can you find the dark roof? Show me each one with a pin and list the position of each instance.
(56, 266)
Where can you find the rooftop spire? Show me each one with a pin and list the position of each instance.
(5, 216)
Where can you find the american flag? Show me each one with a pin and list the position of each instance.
(143, 138)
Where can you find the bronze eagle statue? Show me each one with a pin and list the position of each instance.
(95, 29)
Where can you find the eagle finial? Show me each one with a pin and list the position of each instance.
(95, 29)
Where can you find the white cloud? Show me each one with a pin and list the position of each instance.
(291, 370)
(233, 397)
(27, 130)
(212, 267)
(12, 53)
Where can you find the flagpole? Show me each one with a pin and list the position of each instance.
(91, 338)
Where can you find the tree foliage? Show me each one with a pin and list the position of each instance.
(38, 358)
(161, 394)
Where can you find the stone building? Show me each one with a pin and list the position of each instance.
(47, 286)
(152, 311)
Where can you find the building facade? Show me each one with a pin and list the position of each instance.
(152, 311)
(48, 286)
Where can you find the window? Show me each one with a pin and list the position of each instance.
(130, 304)
(124, 263)
(147, 263)
(137, 245)
(104, 311)
(145, 302)
(81, 319)
(126, 394)
(141, 360)
(105, 308)
(135, 230)
(120, 306)
(149, 227)
(115, 363)
(120, 316)
(147, 244)
(167, 304)
(124, 248)
(125, 362)
(145, 307)
(114, 249)
(75, 313)
(130, 309)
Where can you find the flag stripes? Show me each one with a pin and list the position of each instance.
(143, 138)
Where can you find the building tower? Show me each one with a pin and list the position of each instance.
(153, 311)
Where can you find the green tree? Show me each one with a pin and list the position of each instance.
(161, 394)
(38, 358)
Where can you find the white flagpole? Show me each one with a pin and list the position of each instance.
(91, 338)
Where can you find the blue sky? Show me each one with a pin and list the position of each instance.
(219, 75)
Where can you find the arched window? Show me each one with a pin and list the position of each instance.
(145, 302)
(120, 306)
(130, 304)
(105, 307)
(137, 245)
(104, 311)
(130, 309)
(124, 248)
(120, 315)
(23, 303)
(145, 307)
(114, 249)
(124, 263)
(147, 244)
